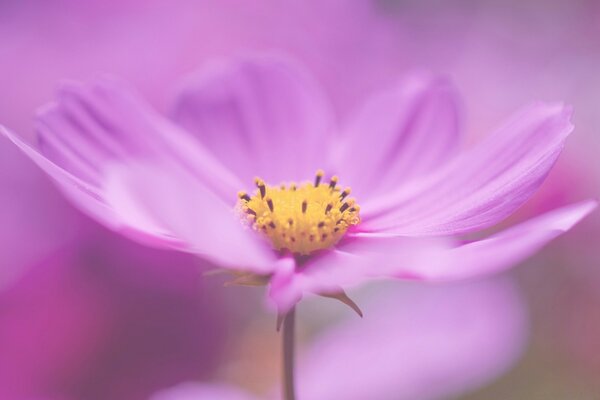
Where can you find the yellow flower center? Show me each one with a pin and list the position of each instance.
(300, 218)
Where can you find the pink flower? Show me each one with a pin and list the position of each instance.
(419, 342)
(174, 183)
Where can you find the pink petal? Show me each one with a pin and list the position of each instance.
(83, 194)
(262, 117)
(505, 249)
(400, 134)
(94, 127)
(202, 391)
(366, 256)
(355, 261)
(484, 185)
(165, 202)
(418, 342)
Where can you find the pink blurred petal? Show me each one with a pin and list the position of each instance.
(400, 134)
(109, 319)
(201, 391)
(165, 202)
(261, 117)
(418, 342)
(505, 249)
(484, 185)
(36, 219)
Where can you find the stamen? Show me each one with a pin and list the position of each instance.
(318, 177)
(345, 193)
(332, 182)
(244, 196)
(261, 186)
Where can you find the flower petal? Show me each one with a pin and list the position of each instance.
(356, 260)
(262, 117)
(504, 249)
(168, 203)
(400, 134)
(83, 194)
(367, 256)
(202, 391)
(418, 342)
(93, 127)
(481, 187)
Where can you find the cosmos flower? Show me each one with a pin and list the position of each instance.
(186, 183)
(441, 341)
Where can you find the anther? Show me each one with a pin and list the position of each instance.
(321, 224)
(304, 206)
(270, 203)
(318, 177)
(345, 193)
(332, 182)
(290, 221)
(244, 196)
(328, 208)
(344, 207)
(251, 211)
(272, 224)
(261, 186)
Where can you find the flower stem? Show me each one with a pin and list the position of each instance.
(289, 392)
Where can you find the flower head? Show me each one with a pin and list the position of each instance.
(176, 183)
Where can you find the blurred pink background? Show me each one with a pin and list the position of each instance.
(88, 315)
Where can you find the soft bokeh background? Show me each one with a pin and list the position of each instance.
(87, 315)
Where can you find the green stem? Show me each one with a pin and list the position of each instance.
(289, 392)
